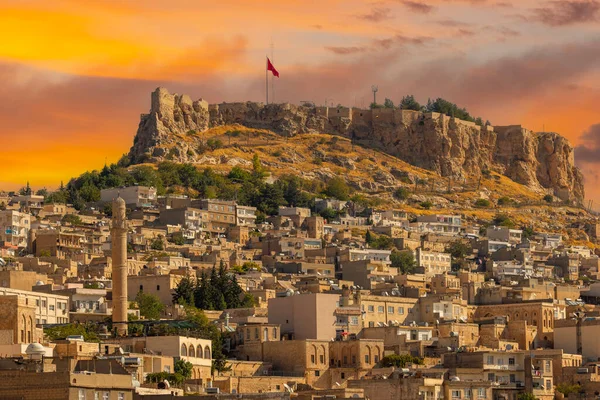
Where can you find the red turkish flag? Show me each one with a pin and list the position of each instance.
(271, 68)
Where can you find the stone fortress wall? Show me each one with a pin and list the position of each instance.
(446, 145)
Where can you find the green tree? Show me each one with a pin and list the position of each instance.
(567, 388)
(184, 368)
(482, 203)
(404, 260)
(61, 332)
(400, 360)
(409, 103)
(184, 292)
(526, 396)
(527, 232)
(548, 198)
(505, 201)
(375, 105)
(72, 219)
(157, 244)
(402, 193)
(458, 249)
(150, 305)
(503, 220)
(338, 188)
(329, 214)
(178, 238)
(202, 295)
(387, 103)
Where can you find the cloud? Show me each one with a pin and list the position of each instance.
(589, 149)
(418, 7)
(567, 12)
(377, 14)
(346, 50)
(381, 44)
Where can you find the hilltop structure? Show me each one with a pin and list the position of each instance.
(446, 145)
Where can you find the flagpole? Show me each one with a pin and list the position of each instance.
(267, 77)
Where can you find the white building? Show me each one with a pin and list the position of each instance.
(140, 196)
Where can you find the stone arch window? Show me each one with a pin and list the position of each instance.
(314, 354)
(192, 351)
(24, 328)
(184, 352)
(30, 332)
(516, 315)
(265, 334)
(274, 333)
(207, 352)
(368, 356)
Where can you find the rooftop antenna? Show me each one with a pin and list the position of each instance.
(374, 88)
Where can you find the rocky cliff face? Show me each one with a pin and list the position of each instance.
(448, 146)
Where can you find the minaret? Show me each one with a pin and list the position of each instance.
(118, 234)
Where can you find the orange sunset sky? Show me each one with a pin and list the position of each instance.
(75, 75)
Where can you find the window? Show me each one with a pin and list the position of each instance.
(390, 310)
(322, 359)
(317, 373)
(513, 378)
(511, 361)
(380, 309)
(44, 303)
(343, 375)
(37, 302)
(367, 360)
(490, 359)
(353, 359)
(157, 288)
(121, 396)
(548, 385)
(491, 377)
(371, 324)
(353, 320)
(481, 393)
(376, 358)
(456, 394)
(51, 307)
(248, 334)
(312, 358)
(548, 366)
(105, 395)
(401, 310)
(81, 394)
(371, 308)
(96, 395)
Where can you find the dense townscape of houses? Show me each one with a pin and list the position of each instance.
(367, 304)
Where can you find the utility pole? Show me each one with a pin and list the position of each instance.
(374, 88)
(272, 76)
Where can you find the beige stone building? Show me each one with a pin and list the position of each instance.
(305, 316)
(432, 263)
(384, 310)
(21, 280)
(536, 313)
(61, 244)
(49, 308)
(138, 196)
(162, 286)
(14, 228)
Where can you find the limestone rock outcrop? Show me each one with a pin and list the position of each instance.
(443, 144)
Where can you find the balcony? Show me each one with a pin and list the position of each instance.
(502, 367)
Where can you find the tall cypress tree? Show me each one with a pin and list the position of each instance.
(202, 296)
